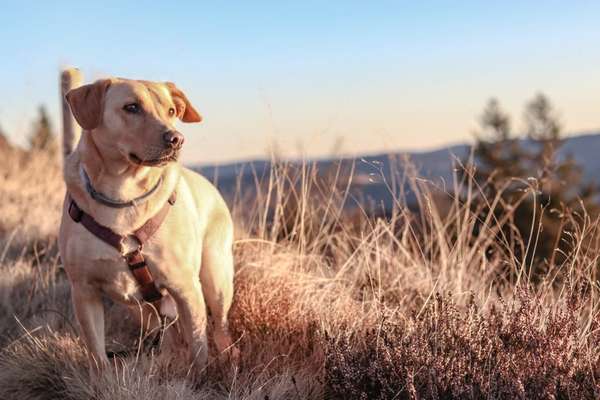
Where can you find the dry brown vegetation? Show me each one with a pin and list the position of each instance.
(413, 307)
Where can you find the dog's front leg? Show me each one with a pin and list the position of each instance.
(89, 311)
(192, 314)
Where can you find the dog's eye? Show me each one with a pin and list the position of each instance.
(132, 108)
(171, 112)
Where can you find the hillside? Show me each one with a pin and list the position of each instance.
(371, 172)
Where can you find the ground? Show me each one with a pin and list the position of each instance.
(416, 306)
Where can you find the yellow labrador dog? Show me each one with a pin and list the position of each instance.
(136, 224)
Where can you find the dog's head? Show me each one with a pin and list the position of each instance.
(132, 119)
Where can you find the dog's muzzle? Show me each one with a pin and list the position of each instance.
(173, 139)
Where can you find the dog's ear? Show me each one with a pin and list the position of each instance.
(185, 111)
(87, 103)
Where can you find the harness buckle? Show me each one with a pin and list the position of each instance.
(135, 258)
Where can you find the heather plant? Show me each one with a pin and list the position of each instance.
(516, 350)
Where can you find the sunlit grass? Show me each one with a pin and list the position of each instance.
(328, 304)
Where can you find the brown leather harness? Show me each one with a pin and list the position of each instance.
(135, 259)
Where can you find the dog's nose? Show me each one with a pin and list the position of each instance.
(173, 139)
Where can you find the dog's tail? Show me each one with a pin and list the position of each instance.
(70, 78)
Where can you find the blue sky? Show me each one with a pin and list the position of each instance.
(385, 75)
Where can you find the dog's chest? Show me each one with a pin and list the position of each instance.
(118, 283)
(88, 259)
(173, 251)
(103, 266)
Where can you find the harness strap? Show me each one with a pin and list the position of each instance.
(135, 260)
(141, 273)
(100, 231)
(146, 231)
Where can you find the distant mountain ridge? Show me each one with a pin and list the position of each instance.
(435, 165)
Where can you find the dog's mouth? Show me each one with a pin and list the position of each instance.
(154, 162)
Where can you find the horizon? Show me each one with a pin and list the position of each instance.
(301, 78)
(378, 153)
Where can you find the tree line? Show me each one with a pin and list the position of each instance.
(41, 138)
(540, 198)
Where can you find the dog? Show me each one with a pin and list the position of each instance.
(122, 176)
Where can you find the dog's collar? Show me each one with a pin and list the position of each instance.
(107, 201)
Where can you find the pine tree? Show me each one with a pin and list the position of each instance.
(495, 122)
(499, 152)
(562, 190)
(505, 166)
(42, 138)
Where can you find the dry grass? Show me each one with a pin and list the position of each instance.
(413, 307)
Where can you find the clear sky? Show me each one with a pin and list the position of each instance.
(369, 75)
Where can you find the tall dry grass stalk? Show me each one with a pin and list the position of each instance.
(328, 305)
